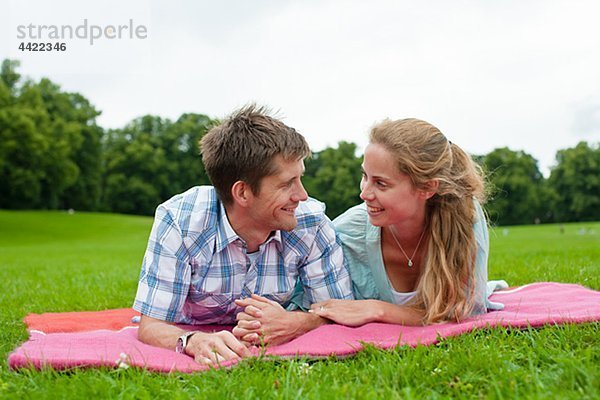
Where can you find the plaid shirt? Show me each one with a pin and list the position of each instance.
(196, 265)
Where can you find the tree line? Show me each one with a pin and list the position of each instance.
(53, 155)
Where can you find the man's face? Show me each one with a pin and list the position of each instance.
(273, 208)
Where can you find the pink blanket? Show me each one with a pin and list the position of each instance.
(531, 305)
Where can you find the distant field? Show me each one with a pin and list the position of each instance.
(54, 261)
(525, 254)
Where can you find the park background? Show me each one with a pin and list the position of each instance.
(54, 155)
(113, 125)
(99, 131)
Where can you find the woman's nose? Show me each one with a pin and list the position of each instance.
(366, 193)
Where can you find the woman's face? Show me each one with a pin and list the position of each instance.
(389, 194)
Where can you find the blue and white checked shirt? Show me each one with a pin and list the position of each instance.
(196, 265)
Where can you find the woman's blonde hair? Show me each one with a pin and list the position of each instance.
(445, 288)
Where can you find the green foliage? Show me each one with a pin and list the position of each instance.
(45, 135)
(575, 183)
(84, 193)
(53, 155)
(135, 167)
(55, 262)
(516, 187)
(8, 73)
(150, 160)
(333, 176)
(181, 144)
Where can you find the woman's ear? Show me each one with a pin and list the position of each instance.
(241, 193)
(431, 188)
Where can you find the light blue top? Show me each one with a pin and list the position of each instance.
(362, 252)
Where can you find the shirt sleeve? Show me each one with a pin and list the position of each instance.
(351, 228)
(165, 276)
(325, 274)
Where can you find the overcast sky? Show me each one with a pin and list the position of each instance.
(521, 74)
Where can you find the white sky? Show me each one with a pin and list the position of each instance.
(521, 74)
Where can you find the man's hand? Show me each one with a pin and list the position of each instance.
(206, 348)
(214, 348)
(267, 322)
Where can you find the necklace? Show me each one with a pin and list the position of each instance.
(410, 261)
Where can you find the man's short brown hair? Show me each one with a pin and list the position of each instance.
(243, 148)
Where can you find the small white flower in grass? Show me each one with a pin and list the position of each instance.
(304, 368)
(123, 361)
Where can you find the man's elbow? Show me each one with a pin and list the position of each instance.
(142, 333)
(147, 329)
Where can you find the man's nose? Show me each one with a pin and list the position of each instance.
(300, 193)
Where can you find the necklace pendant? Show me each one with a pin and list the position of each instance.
(410, 263)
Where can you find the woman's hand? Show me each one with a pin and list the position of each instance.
(348, 312)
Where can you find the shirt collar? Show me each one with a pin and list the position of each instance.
(226, 235)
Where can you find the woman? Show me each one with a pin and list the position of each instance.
(417, 247)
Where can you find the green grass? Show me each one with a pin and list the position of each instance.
(51, 261)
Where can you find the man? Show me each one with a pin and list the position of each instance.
(248, 239)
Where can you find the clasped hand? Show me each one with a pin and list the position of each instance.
(264, 321)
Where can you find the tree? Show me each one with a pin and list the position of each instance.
(575, 181)
(181, 143)
(8, 73)
(333, 176)
(150, 160)
(75, 139)
(135, 167)
(22, 150)
(516, 188)
(42, 131)
(21, 145)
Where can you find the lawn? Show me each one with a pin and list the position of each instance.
(54, 261)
